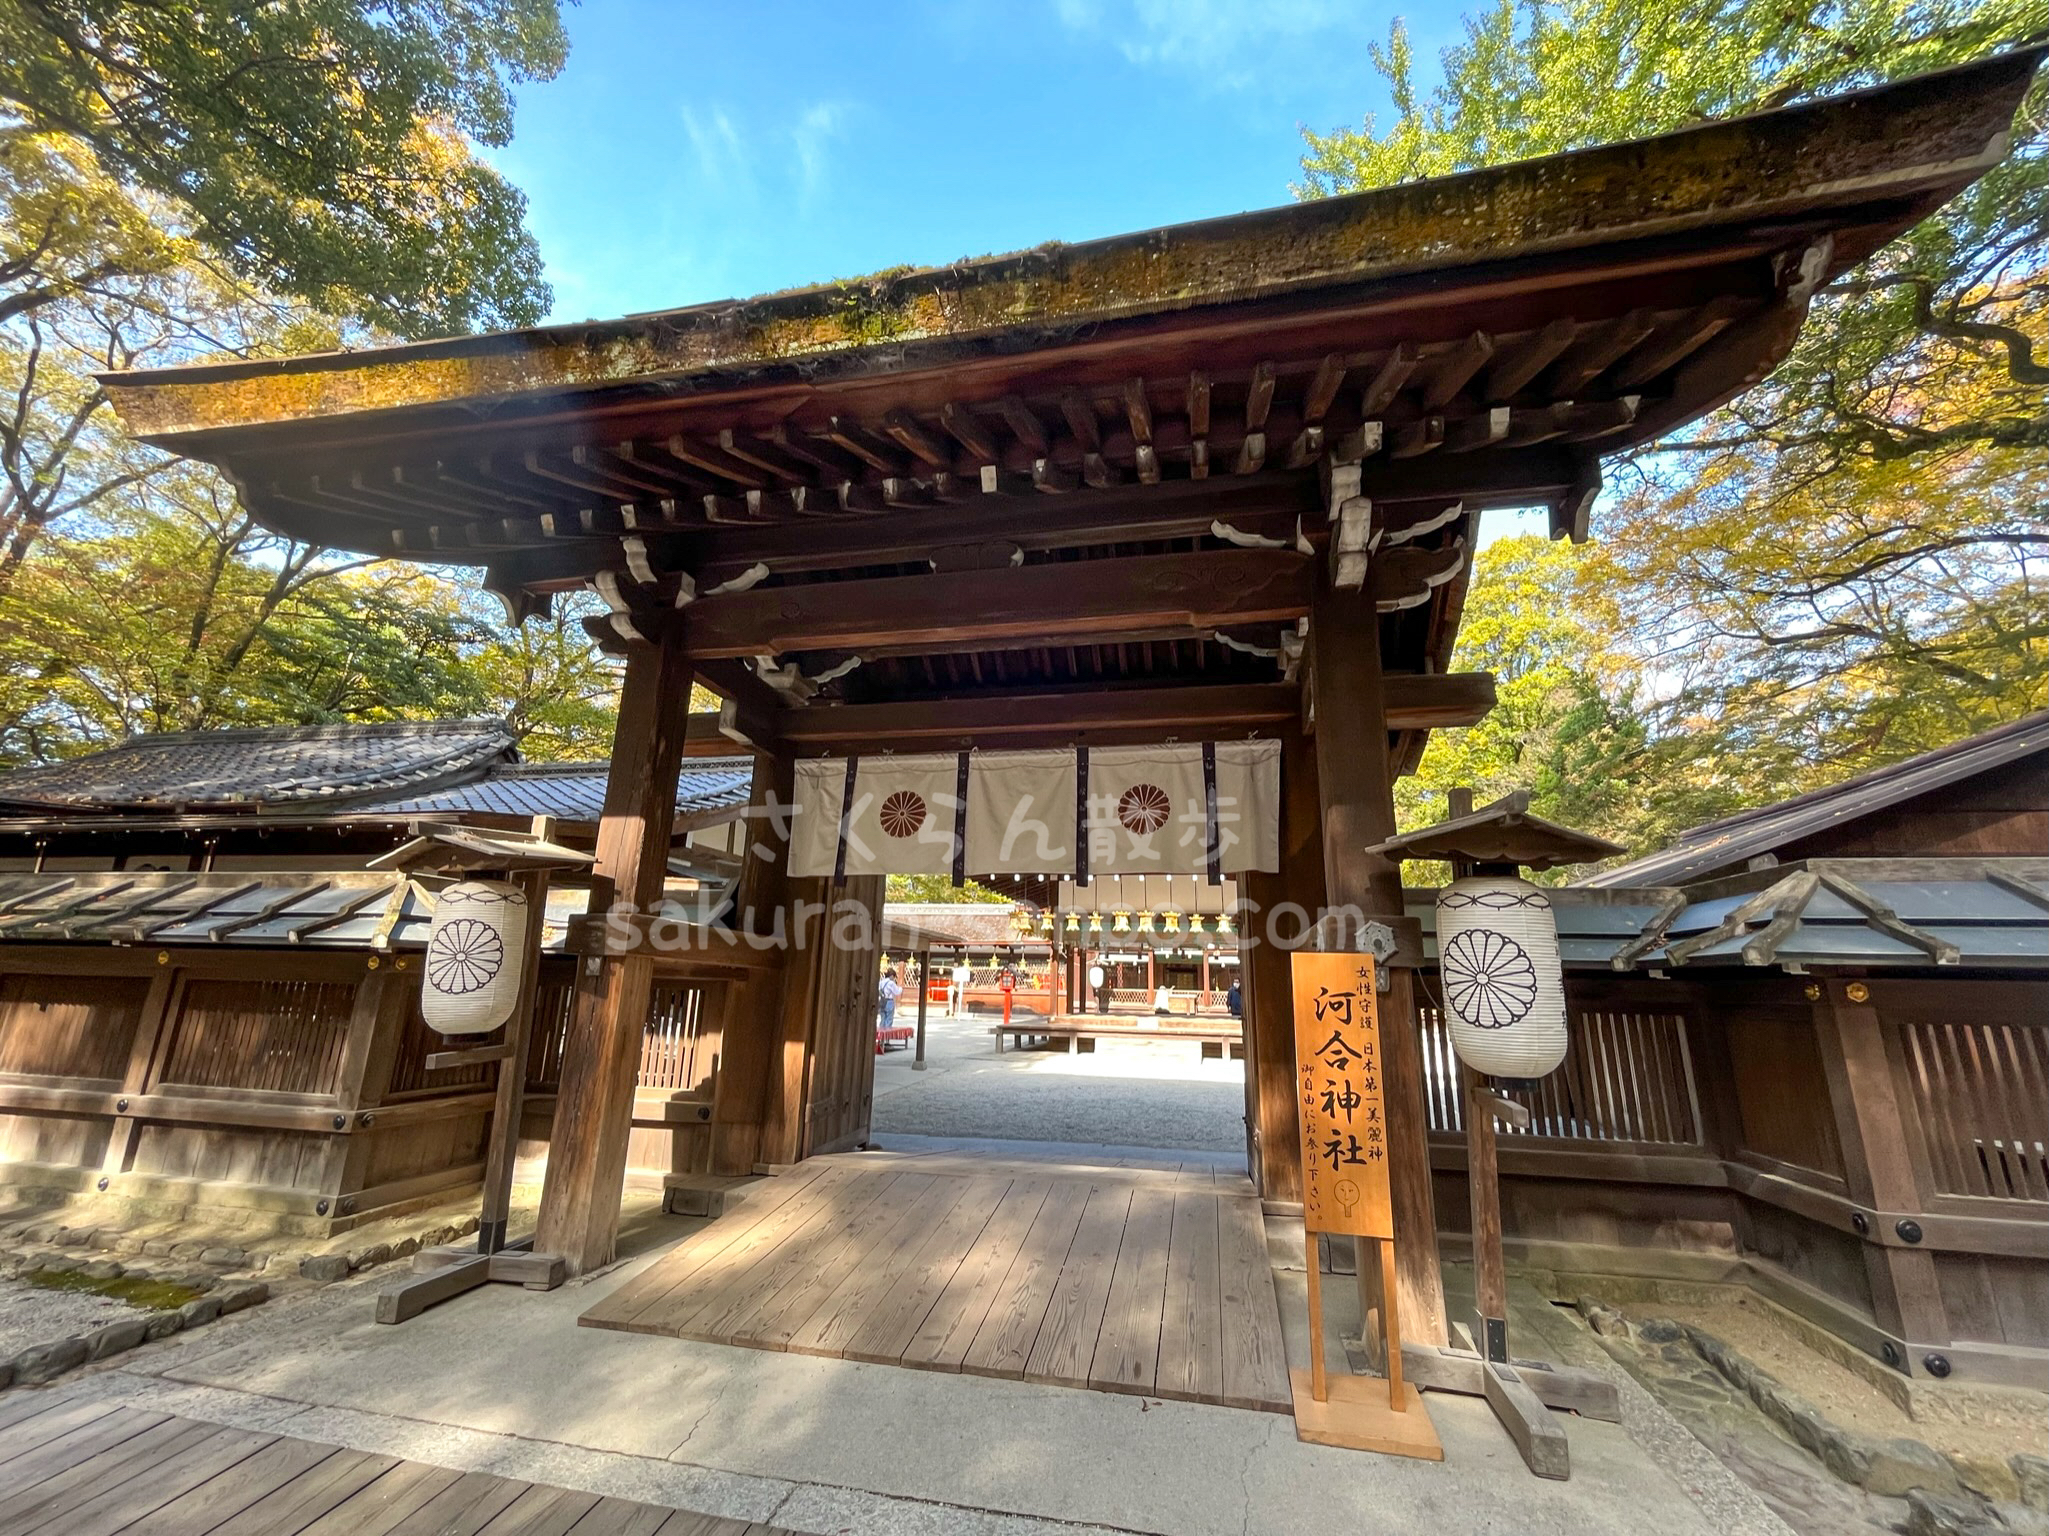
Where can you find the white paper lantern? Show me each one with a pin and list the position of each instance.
(476, 957)
(1504, 988)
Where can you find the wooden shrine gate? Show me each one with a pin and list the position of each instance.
(1199, 484)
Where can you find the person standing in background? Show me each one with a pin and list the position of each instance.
(1100, 985)
(889, 992)
(1235, 1000)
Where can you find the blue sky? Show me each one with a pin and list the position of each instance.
(694, 151)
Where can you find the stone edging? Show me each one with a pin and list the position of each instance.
(1946, 1493)
(27, 1237)
(43, 1362)
(328, 1267)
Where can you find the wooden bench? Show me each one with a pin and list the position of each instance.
(896, 1037)
(1075, 1036)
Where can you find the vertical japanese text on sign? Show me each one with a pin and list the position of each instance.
(1337, 1072)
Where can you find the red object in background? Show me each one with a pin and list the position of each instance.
(1007, 984)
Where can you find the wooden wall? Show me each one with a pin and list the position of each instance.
(291, 1083)
(1873, 1153)
(2000, 813)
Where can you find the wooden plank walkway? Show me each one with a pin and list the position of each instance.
(1149, 1280)
(71, 1468)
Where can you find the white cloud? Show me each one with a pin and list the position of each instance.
(722, 158)
(1224, 43)
(811, 140)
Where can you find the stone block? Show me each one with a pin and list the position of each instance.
(161, 1325)
(325, 1267)
(203, 1310)
(102, 1269)
(2022, 1520)
(6, 1374)
(376, 1253)
(235, 1298)
(70, 1237)
(224, 1258)
(1847, 1456)
(1944, 1514)
(405, 1247)
(2031, 1474)
(113, 1338)
(1898, 1466)
(1986, 1475)
(44, 1362)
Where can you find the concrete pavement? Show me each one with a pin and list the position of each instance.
(503, 1380)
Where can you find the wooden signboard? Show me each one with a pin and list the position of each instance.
(1337, 1072)
(1345, 1192)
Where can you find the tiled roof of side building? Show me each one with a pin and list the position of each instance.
(571, 791)
(271, 766)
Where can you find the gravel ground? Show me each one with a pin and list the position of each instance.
(1129, 1093)
(30, 1315)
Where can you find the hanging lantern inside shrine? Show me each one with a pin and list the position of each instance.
(1122, 924)
(1173, 920)
(1074, 922)
(1145, 922)
(476, 957)
(1504, 988)
(1095, 922)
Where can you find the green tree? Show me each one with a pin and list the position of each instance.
(318, 149)
(938, 888)
(176, 612)
(1566, 725)
(1843, 566)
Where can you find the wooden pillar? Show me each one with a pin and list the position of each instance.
(1878, 1160)
(601, 1059)
(806, 977)
(1483, 1191)
(1355, 777)
(753, 1010)
(1263, 972)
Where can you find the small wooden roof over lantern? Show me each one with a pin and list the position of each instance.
(1501, 837)
(447, 848)
(1497, 938)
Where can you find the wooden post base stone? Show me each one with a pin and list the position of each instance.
(1557, 1386)
(442, 1274)
(1358, 1417)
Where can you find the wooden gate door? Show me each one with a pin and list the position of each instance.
(839, 1089)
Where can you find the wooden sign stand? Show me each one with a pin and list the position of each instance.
(1345, 1190)
(443, 1273)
